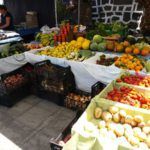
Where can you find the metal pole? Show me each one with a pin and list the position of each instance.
(56, 16)
(79, 3)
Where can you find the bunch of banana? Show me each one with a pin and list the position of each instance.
(46, 39)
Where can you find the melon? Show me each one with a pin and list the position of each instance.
(97, 38)
(101, 46)
(94, 46)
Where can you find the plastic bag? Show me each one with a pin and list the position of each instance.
(45, 29)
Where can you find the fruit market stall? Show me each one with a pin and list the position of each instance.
(91, 56)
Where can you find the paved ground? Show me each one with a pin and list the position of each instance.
(32, 122)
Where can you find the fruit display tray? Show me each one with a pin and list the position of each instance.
(131, 85)
(84, 137)
(111, 86)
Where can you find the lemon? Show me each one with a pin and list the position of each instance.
(80, 39)
(73, 42)
(86, 45)
(79, 44)
(87, 40)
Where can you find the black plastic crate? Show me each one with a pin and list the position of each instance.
(29, 70)
(53, 82)
(64, 135)
(14, 86)
(77, 100)
(97, 88)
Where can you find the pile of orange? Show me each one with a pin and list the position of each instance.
(137, 49)
(130, 62)
(133, 49)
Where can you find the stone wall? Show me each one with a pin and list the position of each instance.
(126, 11)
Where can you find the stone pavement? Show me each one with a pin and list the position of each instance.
(31, 123)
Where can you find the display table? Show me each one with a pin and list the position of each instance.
(86, 73)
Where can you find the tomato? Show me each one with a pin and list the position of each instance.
(119, 80)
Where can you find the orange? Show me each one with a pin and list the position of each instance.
(138, 68)
(117, 63)
(136, 51)
(128, 50)
(110, 45)
(126, 44)
(145, 51)
(130, 57)
(119, 48)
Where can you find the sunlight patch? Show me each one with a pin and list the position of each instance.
(6, 144)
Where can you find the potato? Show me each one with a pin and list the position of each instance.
(148, 141)
(146, 129)
(138, 118)
(113, 109)
(123, 141)
(128, 119)
(128, 133)
(133, 123)
(127, 127)
(102, 124)
(142, 137)
(106, 116)
(97, 112)
(122, 113)
(143, 146)
(103, 132)
(133, 140)
(111, 135)
(111, 126)
(148, 123)
(116, 118)
(141, 125)
(137, 131)
(122, 120)
(119, 130)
